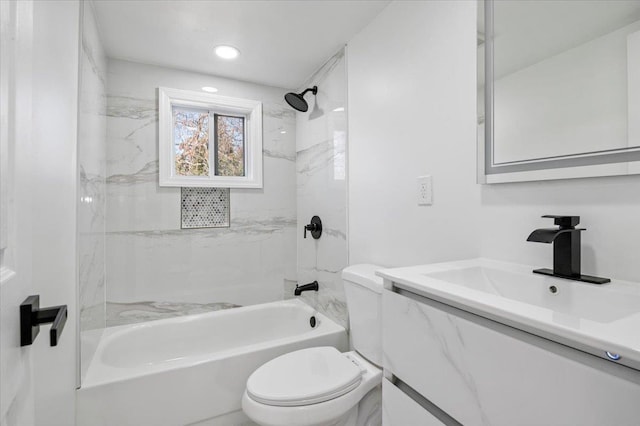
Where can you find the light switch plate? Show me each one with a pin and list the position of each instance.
(425, 190)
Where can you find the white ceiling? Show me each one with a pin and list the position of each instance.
(281, 42)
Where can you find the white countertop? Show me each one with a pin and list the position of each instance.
(593, 318)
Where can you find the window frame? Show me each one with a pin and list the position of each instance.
(251, 110)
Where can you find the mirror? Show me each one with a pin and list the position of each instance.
(559, 89)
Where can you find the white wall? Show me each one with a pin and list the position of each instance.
(609, 209)
(411, 83)
(412, 102)
(54, 135)
(149, 258)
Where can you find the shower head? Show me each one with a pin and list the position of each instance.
(296, 100)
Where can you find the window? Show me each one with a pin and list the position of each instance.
(209, 140)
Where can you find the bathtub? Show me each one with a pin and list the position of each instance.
(193, 369)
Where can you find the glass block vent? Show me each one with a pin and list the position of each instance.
(205, 208)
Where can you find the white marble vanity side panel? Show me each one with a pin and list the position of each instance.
(149, 258)
(321, 145)
(482, 376)
(91, 178)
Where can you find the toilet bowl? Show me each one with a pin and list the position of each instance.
(315, 386)
(322, 386)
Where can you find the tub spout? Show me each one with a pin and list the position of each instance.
(307, 287)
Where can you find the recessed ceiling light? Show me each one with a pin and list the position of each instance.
(283, 131)
(209, 89)
(226, 52)
(339, 109)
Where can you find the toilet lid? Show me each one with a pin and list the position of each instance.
(304, 377)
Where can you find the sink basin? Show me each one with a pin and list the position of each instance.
(572, 298)
(598, 319)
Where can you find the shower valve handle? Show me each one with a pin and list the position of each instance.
(315, 227)
(310, 227)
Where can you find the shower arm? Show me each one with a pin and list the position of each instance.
(313, 90)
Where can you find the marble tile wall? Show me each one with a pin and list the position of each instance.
(91, 184)
(321, 148)
(130, 313)
(149, 258)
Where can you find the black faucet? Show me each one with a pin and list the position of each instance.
(566, 249)
(307, 287)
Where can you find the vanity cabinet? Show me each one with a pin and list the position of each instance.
(481, 372)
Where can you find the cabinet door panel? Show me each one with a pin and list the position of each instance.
(482, 372)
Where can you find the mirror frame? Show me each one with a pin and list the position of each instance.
(623, 161)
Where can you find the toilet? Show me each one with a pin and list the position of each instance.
(321, 386)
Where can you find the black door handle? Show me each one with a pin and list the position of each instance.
(31, 316)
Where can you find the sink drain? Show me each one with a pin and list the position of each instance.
(553, 289)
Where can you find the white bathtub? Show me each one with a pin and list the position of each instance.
(193, 369)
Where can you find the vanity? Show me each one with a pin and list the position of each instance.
(482, 342)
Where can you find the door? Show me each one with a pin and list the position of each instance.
(38, 173)
(16, 378)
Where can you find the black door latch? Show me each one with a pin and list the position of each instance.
(31, 316)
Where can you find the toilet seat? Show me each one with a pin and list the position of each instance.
(305, 377)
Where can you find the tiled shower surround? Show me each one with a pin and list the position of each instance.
(129, 313)
(321, 147)
(157, 269)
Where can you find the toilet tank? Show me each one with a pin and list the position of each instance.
(364, 303)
